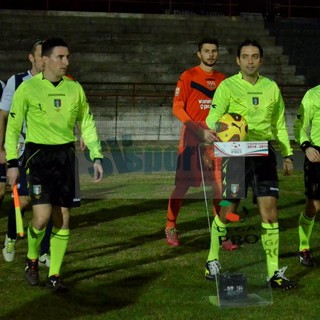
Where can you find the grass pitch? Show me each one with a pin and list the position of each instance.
(118, 265)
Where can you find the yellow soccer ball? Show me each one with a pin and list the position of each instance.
(231, 127)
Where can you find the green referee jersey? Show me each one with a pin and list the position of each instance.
(51, 114)
(260, 104)
(307, 123)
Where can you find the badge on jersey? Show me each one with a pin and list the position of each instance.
(57, 103)
(255, 101)
(211, 84)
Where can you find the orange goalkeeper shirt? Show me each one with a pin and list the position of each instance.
(192, 101)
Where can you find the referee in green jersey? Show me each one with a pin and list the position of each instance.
(259, 101)
(307, 134)
(52, 105)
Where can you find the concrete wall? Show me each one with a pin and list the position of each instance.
(129, 63)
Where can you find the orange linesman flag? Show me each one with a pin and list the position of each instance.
(19, 223)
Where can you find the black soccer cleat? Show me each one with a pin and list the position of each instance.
(279, 281)
(55, 283)
(305, 258)
(31, 271)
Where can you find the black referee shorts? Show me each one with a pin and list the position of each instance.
(3, 173)
(239, 173)
(52, 173)
(312, 178)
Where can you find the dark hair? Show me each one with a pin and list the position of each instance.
(249, 42)
(34, 45)
(49, 44)
(210, 40)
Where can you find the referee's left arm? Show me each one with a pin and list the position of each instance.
(302, 122)
(279, 126)
(88, 130)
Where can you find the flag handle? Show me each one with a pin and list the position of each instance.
(19, 223)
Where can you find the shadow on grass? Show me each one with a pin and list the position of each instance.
(293, 204)
(190, 243)
(97, 299)
(106, 214)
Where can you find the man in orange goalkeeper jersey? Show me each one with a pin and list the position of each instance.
(191, 104)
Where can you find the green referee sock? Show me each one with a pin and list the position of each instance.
(218, 234)
(34, 240)
(58, 246)
(270, 243)
(305, 229)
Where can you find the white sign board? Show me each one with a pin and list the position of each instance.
(241, 149)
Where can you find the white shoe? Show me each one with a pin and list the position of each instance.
(212, 269)
(44, 260)
(8, 249)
